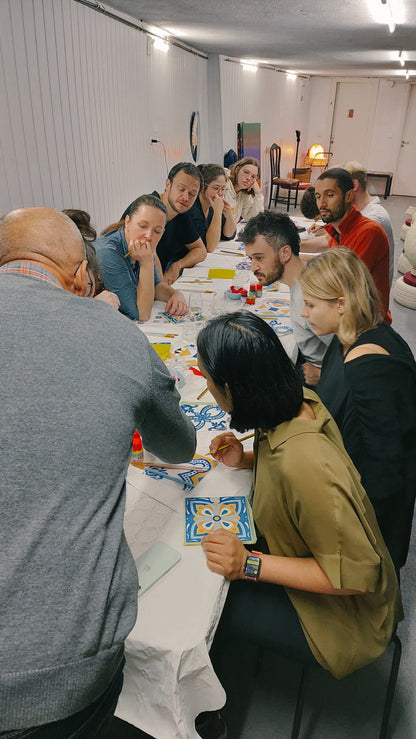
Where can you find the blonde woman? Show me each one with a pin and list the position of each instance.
(242, 190)
(368, 383)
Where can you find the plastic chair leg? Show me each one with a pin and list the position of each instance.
(397, 653)
(299, 702)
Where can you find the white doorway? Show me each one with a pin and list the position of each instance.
(352, 121)
(404, 182)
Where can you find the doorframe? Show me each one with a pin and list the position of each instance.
(403, 123)
(372, 109)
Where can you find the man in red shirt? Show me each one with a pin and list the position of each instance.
(334, 193)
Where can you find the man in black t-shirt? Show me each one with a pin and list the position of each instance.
(180, 245)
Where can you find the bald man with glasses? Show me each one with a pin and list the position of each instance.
(76, 379)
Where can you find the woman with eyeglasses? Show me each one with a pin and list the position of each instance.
(211, 213)
(242, 190)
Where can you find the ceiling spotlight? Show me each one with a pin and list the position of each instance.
(160, 44)
(291, 75)
(248, 66)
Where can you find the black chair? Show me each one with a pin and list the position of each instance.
(286, 183)
(396, 533)
(388, 701)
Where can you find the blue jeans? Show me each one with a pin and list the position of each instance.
(92, 722)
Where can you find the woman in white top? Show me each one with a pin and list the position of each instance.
(242, 190)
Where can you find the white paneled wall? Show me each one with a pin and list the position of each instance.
(267, 97)
(82, 95)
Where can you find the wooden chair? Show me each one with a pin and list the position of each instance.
(286, 183)
(322, 160)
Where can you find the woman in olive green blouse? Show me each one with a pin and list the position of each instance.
(326, 587)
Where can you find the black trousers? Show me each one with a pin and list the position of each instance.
(263, 615)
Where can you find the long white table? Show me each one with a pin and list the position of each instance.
(168, 678)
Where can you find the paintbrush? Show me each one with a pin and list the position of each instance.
(201, 394)
(168, 466)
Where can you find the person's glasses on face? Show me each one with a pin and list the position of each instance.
(90, 283)
(78, 266)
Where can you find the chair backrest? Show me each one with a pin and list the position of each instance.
(322, 160)
(275, 156)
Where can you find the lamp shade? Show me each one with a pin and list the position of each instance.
(316, 156)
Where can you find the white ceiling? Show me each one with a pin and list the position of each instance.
(313, 37)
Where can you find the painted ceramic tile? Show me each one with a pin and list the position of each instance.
(207, 417)
(280, 328)
(205, 515)
(187, 478)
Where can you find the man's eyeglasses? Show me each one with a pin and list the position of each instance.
(90, 282)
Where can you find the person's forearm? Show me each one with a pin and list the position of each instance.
(213, 235)
(316, 244)
(229, 227)
(194, 256)
(247, 461)
(163, 291)
(301, 573)
(145, 291)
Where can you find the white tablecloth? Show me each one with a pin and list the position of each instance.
(168, 678)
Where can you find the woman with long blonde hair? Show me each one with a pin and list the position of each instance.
(368, 382)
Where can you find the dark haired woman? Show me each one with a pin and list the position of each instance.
(82, 219)
(326, 590)
(211, 213)
(127, 261)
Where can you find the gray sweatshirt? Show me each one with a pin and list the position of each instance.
(76, 379)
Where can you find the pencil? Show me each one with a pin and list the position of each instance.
(155, 333)
(201, 394)
(129, 252)
(243, 438)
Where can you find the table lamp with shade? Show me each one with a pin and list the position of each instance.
(316, 156)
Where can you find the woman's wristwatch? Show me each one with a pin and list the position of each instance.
(252, 566)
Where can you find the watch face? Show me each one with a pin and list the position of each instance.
(252, 567)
